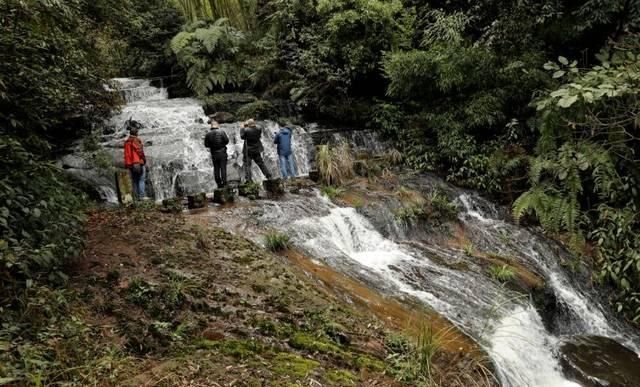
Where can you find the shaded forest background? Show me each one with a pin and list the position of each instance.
(534, 103)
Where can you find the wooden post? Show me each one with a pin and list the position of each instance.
(124, 187)
(223, 195)
(197, 201)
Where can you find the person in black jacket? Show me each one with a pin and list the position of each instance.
(216, 140)
(251, 135)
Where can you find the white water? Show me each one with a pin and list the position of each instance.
(173, 133)
(508, 326)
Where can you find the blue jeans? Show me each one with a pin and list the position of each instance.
(286, 162)
(138, 182)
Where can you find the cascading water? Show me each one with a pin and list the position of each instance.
(173, 132)
(504, 322)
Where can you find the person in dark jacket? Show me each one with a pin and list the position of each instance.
(285, 155)
(251, 135)
(216, 140)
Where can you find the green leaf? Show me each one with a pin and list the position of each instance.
(559, 74)
(567, 101)
(563, 60)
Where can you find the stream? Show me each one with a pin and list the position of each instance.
(368, 244)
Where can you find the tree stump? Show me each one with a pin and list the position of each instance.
(124, 187)
(223, 195)
(274, 188)
(197, 201)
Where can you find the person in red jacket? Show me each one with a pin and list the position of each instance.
(135, 161)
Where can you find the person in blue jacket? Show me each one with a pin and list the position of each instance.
(283, 139)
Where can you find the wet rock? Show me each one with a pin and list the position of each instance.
(191, 182)
(74, 162)
(597, 361)
(314, 175)
(223, 117)
(197, 201)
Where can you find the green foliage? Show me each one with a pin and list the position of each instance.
(237, 12)
(502, 273)
(40, 218)
(250, 190)
(277, 241)
(260, 109)
(584, 177)
(208, 52)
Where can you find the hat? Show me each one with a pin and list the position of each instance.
(250, 123)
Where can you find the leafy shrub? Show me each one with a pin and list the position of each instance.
(41, 217)
(277, 242)
(209, 54)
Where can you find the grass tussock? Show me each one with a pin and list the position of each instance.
(277, 242)
(335, 163)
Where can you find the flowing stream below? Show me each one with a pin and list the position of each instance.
(370, 246)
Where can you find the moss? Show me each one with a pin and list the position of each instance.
(293, 365)
(341, 378)
(237, 348)
(307, 342)
(370, 363)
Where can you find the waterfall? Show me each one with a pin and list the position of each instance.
(506, 323)
(173, 133)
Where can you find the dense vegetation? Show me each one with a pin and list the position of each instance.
(532, 102)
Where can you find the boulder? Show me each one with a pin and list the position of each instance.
(596, 361)
(223, 117)
(223, 195)
(197, 201)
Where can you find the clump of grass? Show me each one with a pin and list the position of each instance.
(441, 206)
(332, 192)
(335, 163)
(469, 249)
(393, 156)
(277, 241)
(502, 273)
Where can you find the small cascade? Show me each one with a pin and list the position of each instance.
(505, 322)
(173, 133)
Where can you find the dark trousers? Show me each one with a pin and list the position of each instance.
(257, 158)
(220, 169)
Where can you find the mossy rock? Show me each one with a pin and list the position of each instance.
(228, 102)
(223, 195)
(237, 348)
(197, 201)
(250, 190)
(173, 205)
(274, 188)
(294, 365)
